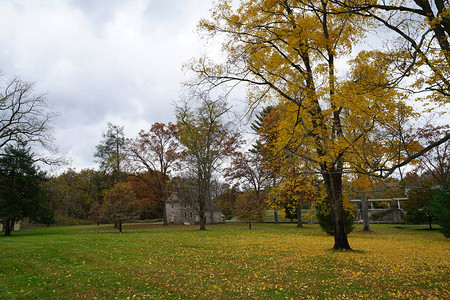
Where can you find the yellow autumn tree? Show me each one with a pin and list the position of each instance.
(293, 192)
(287, 51)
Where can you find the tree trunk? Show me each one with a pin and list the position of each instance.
(8, 227)
(165, 223)
(365, 212)
(333, 185)
(11, 224)
(275, 215)
(250, 224)
(119, 224)
(299, 214)
(201, 213)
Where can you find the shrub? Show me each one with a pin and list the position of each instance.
(417, 207)
(440, 207)
(323, 214)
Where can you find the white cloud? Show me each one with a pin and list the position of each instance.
(101, 61)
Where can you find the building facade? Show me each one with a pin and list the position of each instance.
(185, 212)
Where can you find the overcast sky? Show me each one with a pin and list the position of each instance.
(101, 61)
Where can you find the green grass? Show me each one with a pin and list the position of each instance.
(227, 261)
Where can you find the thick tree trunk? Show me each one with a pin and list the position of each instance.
(365, 212)
(299, 214)
(8, 227)
(250, 224)
(275, 215)
(201, 213)
(333, 185)
(13, 221)
(119, 224)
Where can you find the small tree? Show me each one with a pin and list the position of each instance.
(21, 193)
(250, 207)
(290, 211)
(119, 204)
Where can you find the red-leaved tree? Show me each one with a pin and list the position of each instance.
(155, 154)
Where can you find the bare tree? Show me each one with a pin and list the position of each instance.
(24, 116)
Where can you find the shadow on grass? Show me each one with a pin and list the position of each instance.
(347, 251)
(26, 233)
(366, 231)
(416, 227)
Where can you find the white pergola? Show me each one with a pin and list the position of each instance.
(371, 201)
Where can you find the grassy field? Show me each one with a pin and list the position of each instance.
(225, 262)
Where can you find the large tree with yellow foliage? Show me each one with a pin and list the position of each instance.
(288, 51)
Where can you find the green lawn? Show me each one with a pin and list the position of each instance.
(225, 262)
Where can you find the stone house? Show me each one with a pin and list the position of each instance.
(180, 211)
(16, 226)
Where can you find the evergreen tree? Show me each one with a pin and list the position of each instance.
(21, 193)
(110, 153)
(440, 207)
